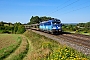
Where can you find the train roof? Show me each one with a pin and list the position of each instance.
(44, 22)
(53, 20)
(50, 21)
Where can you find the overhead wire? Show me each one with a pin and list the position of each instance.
(78, 9)
(68, 5)
(65, 6)
(72, 7)
(59, 6)
(81, 4)
(63, 3)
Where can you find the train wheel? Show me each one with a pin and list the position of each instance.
(52, 32)
(60, 33)
(48, 32)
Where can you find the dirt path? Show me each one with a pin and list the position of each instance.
(29, 51)
(19, 50)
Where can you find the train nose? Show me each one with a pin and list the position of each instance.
(58, 27)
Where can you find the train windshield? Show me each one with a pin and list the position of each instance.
(55, 23)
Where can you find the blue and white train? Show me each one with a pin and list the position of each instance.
(51, 26)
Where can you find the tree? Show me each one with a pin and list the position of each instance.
(81, 24)
(1, 23)
(45, 18)
(21, 29)
(9, 23)
(37, 19)
(34, 20)
(16, 26)
(2, 27)
(87, 24)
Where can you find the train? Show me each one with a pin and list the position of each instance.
(53, 26)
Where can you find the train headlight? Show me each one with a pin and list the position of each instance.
(58, 27)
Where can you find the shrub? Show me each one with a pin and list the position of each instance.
(21, 29)
(5, 31)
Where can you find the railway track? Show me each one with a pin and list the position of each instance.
(79, 42)
(80, 36)
(76, 39)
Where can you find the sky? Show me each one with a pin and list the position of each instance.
(68, 11)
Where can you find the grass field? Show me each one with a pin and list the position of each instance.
(78, 32)
(8, 43)
(32, 46)
(7, 39)
(20, 52)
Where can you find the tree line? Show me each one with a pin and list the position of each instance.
(16, 28)
(80, 27)
(86, 25)
(37, 19)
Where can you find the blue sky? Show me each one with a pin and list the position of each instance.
(68, 11)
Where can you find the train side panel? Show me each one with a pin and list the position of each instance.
(53, 26)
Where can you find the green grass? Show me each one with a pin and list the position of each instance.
(5, 51)
(81, 32)
(41, 45)
(22, 54)
(48, 49)
(84, 33)
(0, 31)
(21, 51)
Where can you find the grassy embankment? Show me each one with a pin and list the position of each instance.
(48, 49)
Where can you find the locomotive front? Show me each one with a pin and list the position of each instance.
(56, 26)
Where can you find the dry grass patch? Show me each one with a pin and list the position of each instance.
(6, 40)
(20, 52)
(8, 44)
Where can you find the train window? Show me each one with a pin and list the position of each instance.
(56, 22)
(41, 24)
(44, 23)
(48, 23)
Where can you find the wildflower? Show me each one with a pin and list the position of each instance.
(84, 59)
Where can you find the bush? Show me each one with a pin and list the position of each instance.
(85, 32)
(5, 31)
(21, 29)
